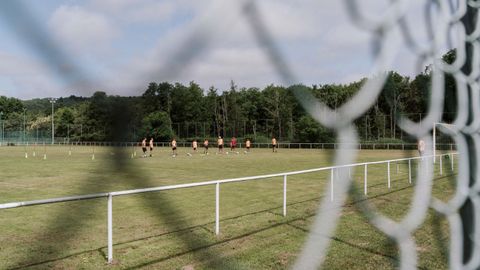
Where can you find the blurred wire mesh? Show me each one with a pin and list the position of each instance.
(454, 22)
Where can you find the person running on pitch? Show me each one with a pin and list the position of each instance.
(421, 147)
(151, 146)
(174, 147)
(247, 145)
(220, 144)
(274, 144)
(144, 147)
(233, 144)
(205, 145)
(194, 146)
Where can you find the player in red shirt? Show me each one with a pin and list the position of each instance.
(233, 144)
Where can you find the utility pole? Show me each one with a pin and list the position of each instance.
(52, 101)
(24, 125)
(1, 120)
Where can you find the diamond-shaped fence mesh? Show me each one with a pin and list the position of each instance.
(452, 21)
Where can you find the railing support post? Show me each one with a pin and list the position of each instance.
(410, 171)
(388, 172)
(217, 208)
(331, 185)
(285, 195)
(441, 164)
(365, 180)
(451, 161)
(110, 229)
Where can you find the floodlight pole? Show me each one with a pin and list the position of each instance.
(24, 113)
(1, 120)
(52, 101)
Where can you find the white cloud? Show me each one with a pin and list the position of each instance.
(81, 30)
(163, 62)
(290, 20)
(317, 38)
(12, 65)
(30, 77)
(144, 11)
(233, 53)
(246, 66)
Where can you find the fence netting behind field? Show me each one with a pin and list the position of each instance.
(446, 22)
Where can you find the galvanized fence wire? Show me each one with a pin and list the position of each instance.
(454, 22)
(462, 210)
(460, 17)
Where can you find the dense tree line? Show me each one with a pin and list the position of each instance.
(167, 110)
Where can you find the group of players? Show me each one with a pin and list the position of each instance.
(233, 146)
(220, 144)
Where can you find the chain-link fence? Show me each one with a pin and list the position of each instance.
(261, 131)
(454, 22)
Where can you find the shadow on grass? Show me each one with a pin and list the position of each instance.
(203, 226)
(393, 258)
(99, 250)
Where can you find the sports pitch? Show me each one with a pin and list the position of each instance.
(175, 229)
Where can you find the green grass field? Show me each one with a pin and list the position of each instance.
(175, 229)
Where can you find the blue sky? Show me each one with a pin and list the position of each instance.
(122, 45)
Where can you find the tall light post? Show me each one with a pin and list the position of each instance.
(52, 101)
(24, 122)
(1, 120)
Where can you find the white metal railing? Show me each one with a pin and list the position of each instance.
(333, 169)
